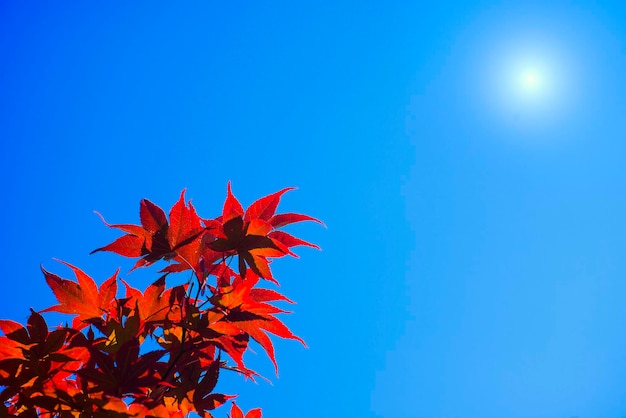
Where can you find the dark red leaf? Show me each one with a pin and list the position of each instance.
(37, 327)
(152, 217)
(14, 331)
(207, 383)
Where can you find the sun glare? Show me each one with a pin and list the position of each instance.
(524, 74)
(527, 85)
(527, 78)
(531, 80)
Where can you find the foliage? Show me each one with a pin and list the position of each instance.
(96, 367)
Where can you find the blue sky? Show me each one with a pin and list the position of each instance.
(468, 159)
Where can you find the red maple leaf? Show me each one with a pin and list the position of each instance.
(45, 362)
(67, 372)
(248, 310)
(11, 347)
(236, 412)
(83, 298)
(155, 304)
(251, 233)
(155, 239)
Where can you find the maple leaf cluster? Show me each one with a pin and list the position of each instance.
(96, 367)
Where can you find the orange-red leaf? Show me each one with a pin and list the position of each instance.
(236, 412)
(83, 298)
(258, 227)
(16, 338)
(154, 304)
(247, 310)
(255, 329)
(9, 327)
(8, 349)
(258, 263)
(254, 413)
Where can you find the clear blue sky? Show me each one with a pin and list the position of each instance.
(468, 158)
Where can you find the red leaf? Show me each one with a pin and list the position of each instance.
(136, 241)
(16, 333)
(207, 383)
(37, 327)
(258, 264)
(131, 229)
(267, 295)
(232, 207)
(152, 217)
(181, 240)
(235, 411)
(255, 330)
(258, 227)
(149, 239)
(265, 207)
(283, 219)
(8, 327)
(184, 222)
(289, 241)
(243, 302)
(213, 401)
(82, 298)
(126, 245)
(66, 370)
(185, 234)
(154, 304)
(254, 413)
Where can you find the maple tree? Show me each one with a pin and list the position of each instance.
(96, 367)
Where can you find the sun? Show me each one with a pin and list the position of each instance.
(526, 87)
(528, 80)
(531, 80)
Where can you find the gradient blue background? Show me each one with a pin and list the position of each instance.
(473, 264)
